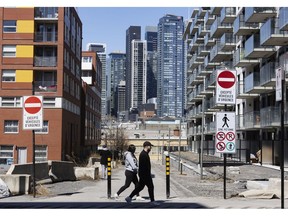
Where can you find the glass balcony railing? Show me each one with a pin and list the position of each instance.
(265, 11)
(283, 18)
(45, 86)
(252, 119)
(270, 116)
(45, 61)
(251, 81)
(267, 73)
(46, 12)
(46, 36)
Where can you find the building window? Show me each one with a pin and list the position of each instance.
(44, 130)
(9, 26)
(11, 102)
(6, 154)
(8, 75)
(11, 126)
(40, 153)
(9, 51)
(87, 59)
(49, 102)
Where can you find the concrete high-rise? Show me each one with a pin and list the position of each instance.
(132, 33)
(100, 49)
(171, 67)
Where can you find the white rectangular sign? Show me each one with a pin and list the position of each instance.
(279, 76)
(225, 132)
(32, 112)
(226, 87)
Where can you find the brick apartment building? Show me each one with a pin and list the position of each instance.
(40, 51)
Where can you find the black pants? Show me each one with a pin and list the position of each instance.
(130, 177)
(144, 181)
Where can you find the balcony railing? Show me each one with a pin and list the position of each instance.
(228, 14)
(45, 86)
(46, 12)
(251, 81)
(242, 28)
(259, 14)
(252, 119)
(270, 116)
(46, 37)
(283, 18)
(45, 61)
(267, 73)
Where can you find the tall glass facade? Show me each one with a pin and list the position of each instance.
(170, 78)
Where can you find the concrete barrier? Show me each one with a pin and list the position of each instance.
(17, 184)
(41, 170)
(61, 171)
(86, 173)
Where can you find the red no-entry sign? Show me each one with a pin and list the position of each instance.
(32, 112)
(32, 105)
(226, 79)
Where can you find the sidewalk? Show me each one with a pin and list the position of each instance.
(180, 196)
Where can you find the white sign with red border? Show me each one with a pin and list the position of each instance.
(225, 132)
(32, 112)
(226, 87)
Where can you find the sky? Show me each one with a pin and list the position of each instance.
(109, 24)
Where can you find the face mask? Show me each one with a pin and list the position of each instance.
(148, 150)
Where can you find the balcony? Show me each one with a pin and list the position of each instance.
(283, 19)
(45, 86)
(209, 41)
(193, 47)
(270, 34)
(203, 50)
(210, 65)
(228, 15)
(216, 10)
(46, 13)
(267, 75)
(252, 120)
(218, 55)
(218, 28)
(270, 117)
(203, 11)
(40, 61)
(253, 85)
(242, 89)
(197, 39)
(253, 49)
(259, 14)
(46, 37)
(240, 61)
(242, 28)
(203, 30)
(202, 70)
(209, 18)
(194, 28)
(194, 12)
(193, 63)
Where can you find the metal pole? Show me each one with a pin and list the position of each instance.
(158, 140)
(179, 156)
(282, 139)
(202, 140)
(225, 162)
(109, 170)
(34, 182)
(167, 176)
(169, 144)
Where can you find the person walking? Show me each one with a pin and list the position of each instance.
(104, 153)
(131, 170)
(145, 176)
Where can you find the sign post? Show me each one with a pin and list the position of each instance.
(225, 136)
(280, 86)
(33, 119)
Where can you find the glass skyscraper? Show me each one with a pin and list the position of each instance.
(171, 67)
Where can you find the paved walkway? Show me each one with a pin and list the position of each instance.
(96, 197)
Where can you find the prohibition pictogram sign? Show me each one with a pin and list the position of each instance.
(220, 136)
(32, 105)
(230, 136)
(221, 146)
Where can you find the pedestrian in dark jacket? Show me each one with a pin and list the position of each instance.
(145, 176)
(104, 153)
(131, 170)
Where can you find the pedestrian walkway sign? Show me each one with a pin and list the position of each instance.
(225, 132)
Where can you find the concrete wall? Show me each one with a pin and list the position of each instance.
(61, 171)
(17, 184)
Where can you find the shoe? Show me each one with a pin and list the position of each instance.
(140, 198)
(116, 196)
(128, 199)
(154, 203)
